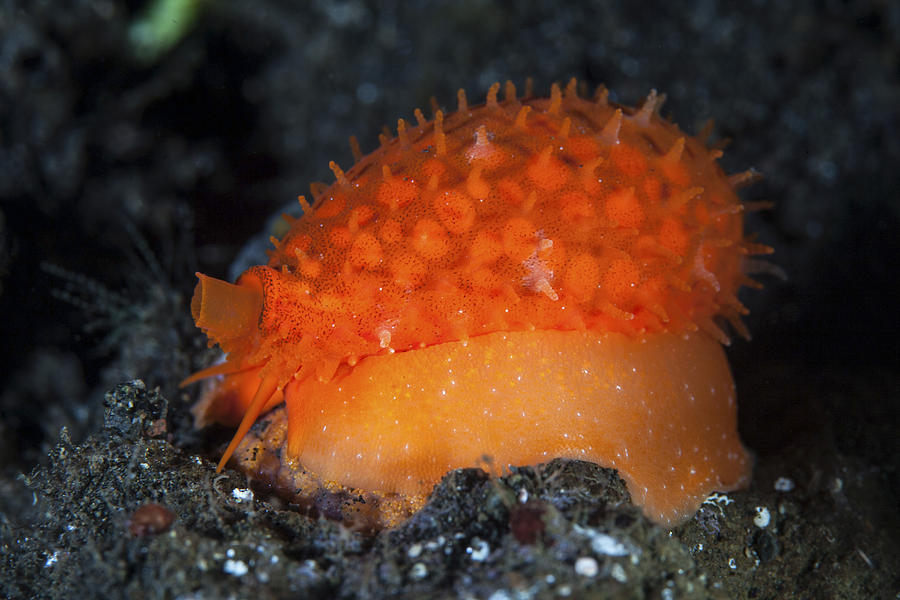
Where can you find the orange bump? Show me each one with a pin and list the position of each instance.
(577, 208)
(408, 270)
(628, 159)
(455, 211)
(476, 186)
(331, 207)
(486, 248)
(360, 217)
(546, 171)
(624, 209)
(582, 148)
(391, 232)
(365, 253)
(510, 191)
(341, 237)
(582, 277)
(429, 239)
(621, 280)
(518, 238)
(397, 193)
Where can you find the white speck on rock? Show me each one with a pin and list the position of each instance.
(762, 517)
(586, 567)
(479, 550)
(602, 543)
(784, 484)
(242, 494)
(237, 568)
(418, 571)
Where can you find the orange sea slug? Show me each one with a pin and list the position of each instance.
(526, 279)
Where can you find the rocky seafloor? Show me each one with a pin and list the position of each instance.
(125, 167)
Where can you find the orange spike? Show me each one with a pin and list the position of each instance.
(749, 282)
(383, 138)
(433, 103)
(587, 173)
(492, 95)
(509, 91)
(572, 88)
(563, 131)
(354, 148)
(744, 178)
(304, 205)
(401, 133)
(752, 266)
(420, 118)
(719, 242)
(544, 158)
(609, 135)
(752, 248)
(611, 310)
(657, 309)
(338, 173)
(225, 368)
(461, 101)
(475, 185)
(521, 116)
(555, 99)
(651, 105)
(650, 246)
(674, 153)
(707, 325)
(316, 188)
(267, 386)
(601, 95)
(738, 324)
(737, 305)
(440, 140)
(685, 196)
(529, 203)
(529, 87)
(543, 286)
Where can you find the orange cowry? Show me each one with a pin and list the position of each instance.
(525, 279)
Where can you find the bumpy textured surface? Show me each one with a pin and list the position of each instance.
(546, 213)
(522, 214)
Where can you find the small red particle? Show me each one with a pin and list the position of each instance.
(526, 522)
(157, 428)
(150, 519)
